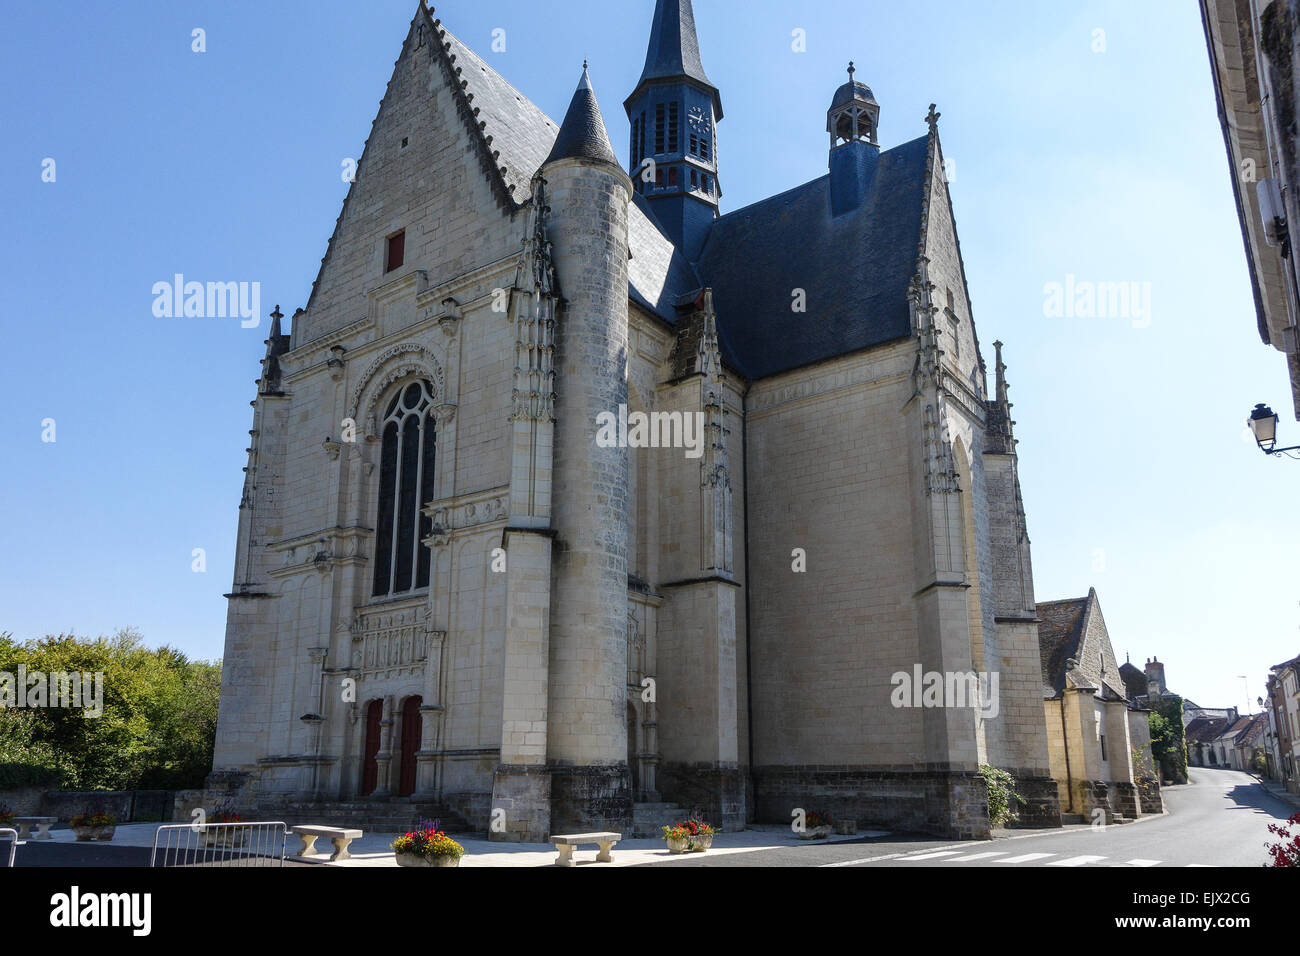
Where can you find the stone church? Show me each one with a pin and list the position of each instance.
(449, 596)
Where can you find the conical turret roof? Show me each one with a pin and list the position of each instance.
(582, 134)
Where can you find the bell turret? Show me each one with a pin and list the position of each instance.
(674, 112)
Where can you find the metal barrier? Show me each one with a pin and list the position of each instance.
(12, 836)
(219, 844)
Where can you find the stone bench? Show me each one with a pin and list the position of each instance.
(42, 825)
(336, 835)
(568, 842)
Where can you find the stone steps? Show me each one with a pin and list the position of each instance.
(647, 818)
(378, 816)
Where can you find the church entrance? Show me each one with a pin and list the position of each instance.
(370, 766)
(411, 731)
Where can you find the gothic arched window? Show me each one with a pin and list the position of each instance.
(405, 486)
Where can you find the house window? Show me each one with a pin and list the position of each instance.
(396, 251)
(672, 176)
(672, 127)
(659, 128)
(1103, 746)
(406, 461)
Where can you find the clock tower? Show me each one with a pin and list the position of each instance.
(674, 112)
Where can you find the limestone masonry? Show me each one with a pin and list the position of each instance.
(450, 599)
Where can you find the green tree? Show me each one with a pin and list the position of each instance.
(158, 723)
(1168, 745)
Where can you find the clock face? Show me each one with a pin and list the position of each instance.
(695, 117)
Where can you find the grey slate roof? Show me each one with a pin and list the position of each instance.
(1202, 730)
(855, 269)
(849, 90)
(582, 134)
(525, 136)
(658, 274)
(1060, 632)
(1135, 679)
(674, 49)
(519, 129)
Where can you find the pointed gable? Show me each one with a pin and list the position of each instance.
(1074, 629)
(475, 142)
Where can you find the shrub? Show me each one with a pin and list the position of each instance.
(1003, 798)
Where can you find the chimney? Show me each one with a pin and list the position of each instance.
(1156, 686)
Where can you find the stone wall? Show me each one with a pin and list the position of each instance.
(947, 803)
(24, 801)
(825, 641)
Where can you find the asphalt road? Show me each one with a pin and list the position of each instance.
(1220, 818)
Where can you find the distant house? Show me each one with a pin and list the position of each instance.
(1229, 741)
(1282, 738)
(1203, 734)
(1098, 734)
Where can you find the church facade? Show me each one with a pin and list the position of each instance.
(467, 598)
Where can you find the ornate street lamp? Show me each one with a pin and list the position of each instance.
(1263, 425)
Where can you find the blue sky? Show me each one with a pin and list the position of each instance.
(1106, 166)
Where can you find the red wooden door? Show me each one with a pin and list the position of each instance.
(411, 732)
(370, 768)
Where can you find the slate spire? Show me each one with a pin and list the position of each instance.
(582, 134)
(674, 50)
(673, 114)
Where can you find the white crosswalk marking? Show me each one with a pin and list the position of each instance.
(977, 856)
(1025, 858)
(1141, 863)
(1076, 861)
(933, 856)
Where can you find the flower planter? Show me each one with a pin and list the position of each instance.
(677, 844)
(106, 834)
(700, 843)
(415, 859)
(87, 834)
(816, 833)
(223, 838)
